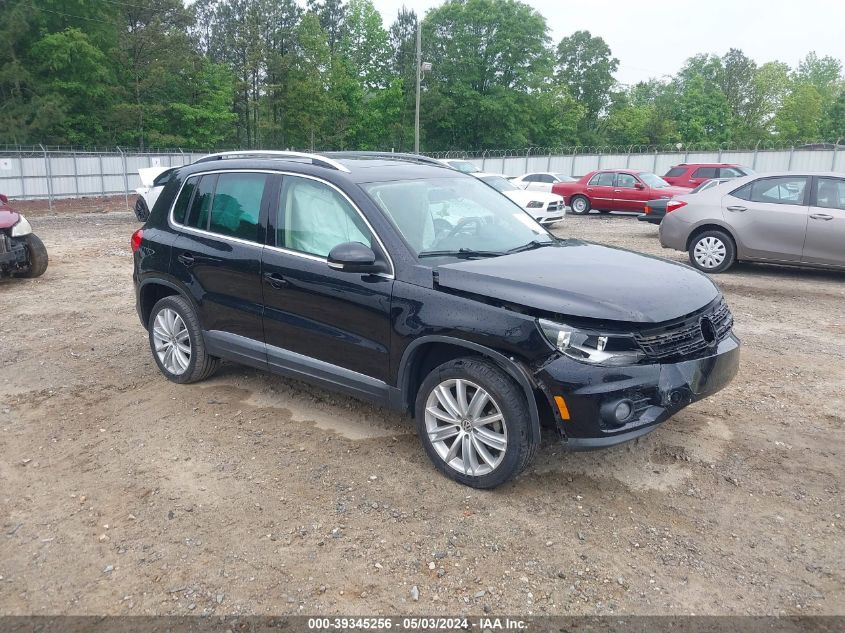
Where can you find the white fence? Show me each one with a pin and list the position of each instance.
(52, 173)
(578, 164)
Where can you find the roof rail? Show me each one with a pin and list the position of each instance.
(316, 159)
(414, 158)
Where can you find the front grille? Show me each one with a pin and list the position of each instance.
(686, 338)
(557, 205)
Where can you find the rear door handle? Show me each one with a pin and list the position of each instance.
(821, 216)
(738, 209)
(187, 259)
(276, 280)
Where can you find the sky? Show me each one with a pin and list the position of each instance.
(653, 38)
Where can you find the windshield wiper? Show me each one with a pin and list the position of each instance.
(465, 253)
(531, 246)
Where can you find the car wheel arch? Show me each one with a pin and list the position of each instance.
(153, 290)
(428, 352)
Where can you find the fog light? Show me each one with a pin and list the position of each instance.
(623, 411)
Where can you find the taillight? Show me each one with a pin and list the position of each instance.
(674, 205)
(135, 240)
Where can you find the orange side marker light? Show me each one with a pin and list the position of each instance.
(562, 408)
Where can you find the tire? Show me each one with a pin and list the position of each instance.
(38, 259)
(712, 251)
(486, 465)
(580, 205)
(141, 210)
(199, 365)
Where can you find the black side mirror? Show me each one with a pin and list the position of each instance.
(353, 257)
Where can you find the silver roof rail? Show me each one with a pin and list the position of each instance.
(316, 159)
(415, 158)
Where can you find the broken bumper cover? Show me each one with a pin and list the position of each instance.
(653, 393)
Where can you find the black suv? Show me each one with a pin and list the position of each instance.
(418, 287)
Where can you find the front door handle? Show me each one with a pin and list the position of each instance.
(276, 280)
(821, 216)
(187, 259)
(737, 209)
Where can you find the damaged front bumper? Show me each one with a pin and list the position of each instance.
(594, 396)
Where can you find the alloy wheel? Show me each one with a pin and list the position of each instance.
(710, 252)
(579, 205)
(172, 342)
(466, 427)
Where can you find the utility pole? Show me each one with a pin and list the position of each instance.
(419, 80)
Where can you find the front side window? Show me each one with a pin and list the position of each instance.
(730, 172)
(455, 215)
(830, 193)
(626, 180)
(603, 179)
(236, 205)
(547, 178)
(314, 218)
(783, 190)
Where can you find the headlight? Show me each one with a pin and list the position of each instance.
(21, 228)
(535, 204)
(592, 347)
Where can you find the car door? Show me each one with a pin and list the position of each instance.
(217, 255)
(769, 217)
(543, 183)
(631, 194)
(825, 242)
(333, 325)
(600, 189)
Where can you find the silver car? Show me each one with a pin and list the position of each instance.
(784, 218)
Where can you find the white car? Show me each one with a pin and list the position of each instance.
(153, 180)
(546, 208)
(540, 180)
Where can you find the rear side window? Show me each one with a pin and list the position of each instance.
(675, 172)
(784, 190)
(236, 205)
(201, 204)
(604, 179)
(181, 207)
(705, 172)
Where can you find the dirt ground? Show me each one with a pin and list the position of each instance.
(122, 493)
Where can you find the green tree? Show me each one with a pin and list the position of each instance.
(585, 65)
(799, 118)
(365, 44)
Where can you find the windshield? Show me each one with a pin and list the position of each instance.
(500, 184)
(653, 180)
(464, 166)
(456, 216)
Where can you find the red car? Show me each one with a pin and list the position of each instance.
(609, 190)
(693, 174)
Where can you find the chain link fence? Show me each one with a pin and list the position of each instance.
(51, 173)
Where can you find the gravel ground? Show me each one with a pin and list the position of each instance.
(122, 493)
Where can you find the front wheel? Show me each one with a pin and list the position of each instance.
(712, 251)
(38, 259)
(474, 424)
(580, 205)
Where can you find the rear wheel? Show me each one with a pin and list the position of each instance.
(38, 259)
(473, 422)
(580, 205)
(712, 251)
(176, 341)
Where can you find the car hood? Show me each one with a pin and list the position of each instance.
(8, 218)
(522, 197)
(583, 280)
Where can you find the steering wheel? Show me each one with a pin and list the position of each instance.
(461, 226)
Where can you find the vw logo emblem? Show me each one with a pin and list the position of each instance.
(708, 331)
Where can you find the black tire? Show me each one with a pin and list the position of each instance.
(141, 210)
(506, 396)
(713, 238)
(38, 259)
(201, 365)
(580, 201)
